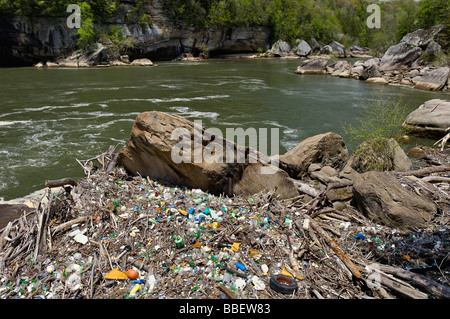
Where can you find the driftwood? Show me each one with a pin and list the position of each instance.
(439, 291)
(436, 179)
(333, 245)
(60, 182)
(426, 171)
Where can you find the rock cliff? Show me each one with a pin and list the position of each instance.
(28, 40)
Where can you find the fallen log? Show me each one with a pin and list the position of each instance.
(426, 171)
(434, 288)
(60, 182)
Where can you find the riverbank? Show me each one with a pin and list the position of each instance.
(187, 243)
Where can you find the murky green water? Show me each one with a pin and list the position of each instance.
(50, 117)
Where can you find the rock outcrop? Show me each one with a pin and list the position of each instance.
(27, 41)
(430, 119)
(409, 49)
(383, 199)
(214, 164)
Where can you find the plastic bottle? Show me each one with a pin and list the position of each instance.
(179, 242)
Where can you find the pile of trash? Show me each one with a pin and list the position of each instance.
(114, 236)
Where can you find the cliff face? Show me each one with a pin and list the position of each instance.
(25, 40)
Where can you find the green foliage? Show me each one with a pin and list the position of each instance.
(86, 34)
(382, 119)
(433, 12)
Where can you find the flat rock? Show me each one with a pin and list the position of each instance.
(314, 66)
(433, 80)
(430, 119)
(377, 80)
(141, 62)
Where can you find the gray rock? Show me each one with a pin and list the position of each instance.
(383, 199)
(373, 61)
(302, 48)
(280, 49)
(421, 37)
(430, 119)
(370, 72)
(326, 149)
(314, 66)
(433, 80)
(433, 48)
(399, 56)
(326, 49)
(315, 46)
(338, 48)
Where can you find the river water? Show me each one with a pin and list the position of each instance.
(51, 117)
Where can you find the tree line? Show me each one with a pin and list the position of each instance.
(323, 20)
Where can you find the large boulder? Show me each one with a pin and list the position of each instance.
(326, 49)
(370, 72)
(431, 119)
(338, 48)
(314, 66)
(326, 149)
(383, 199)
(399, 56)
(302, 48)
(170, 148)
(433, 80)
(409, 49)
(379, 155)
(280, 49)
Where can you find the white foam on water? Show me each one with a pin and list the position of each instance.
(8, 123)
(180, 109)
(54, 107)
(170, 100)
(187, 112)
(106, 124)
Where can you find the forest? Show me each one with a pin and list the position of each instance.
(324, 20)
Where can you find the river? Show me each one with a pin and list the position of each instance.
(51, 117)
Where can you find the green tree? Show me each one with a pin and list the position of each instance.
(86, 34)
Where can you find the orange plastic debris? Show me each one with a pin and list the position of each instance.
(182, 212)
(235, 247)
(116, 274)
(197, 245)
